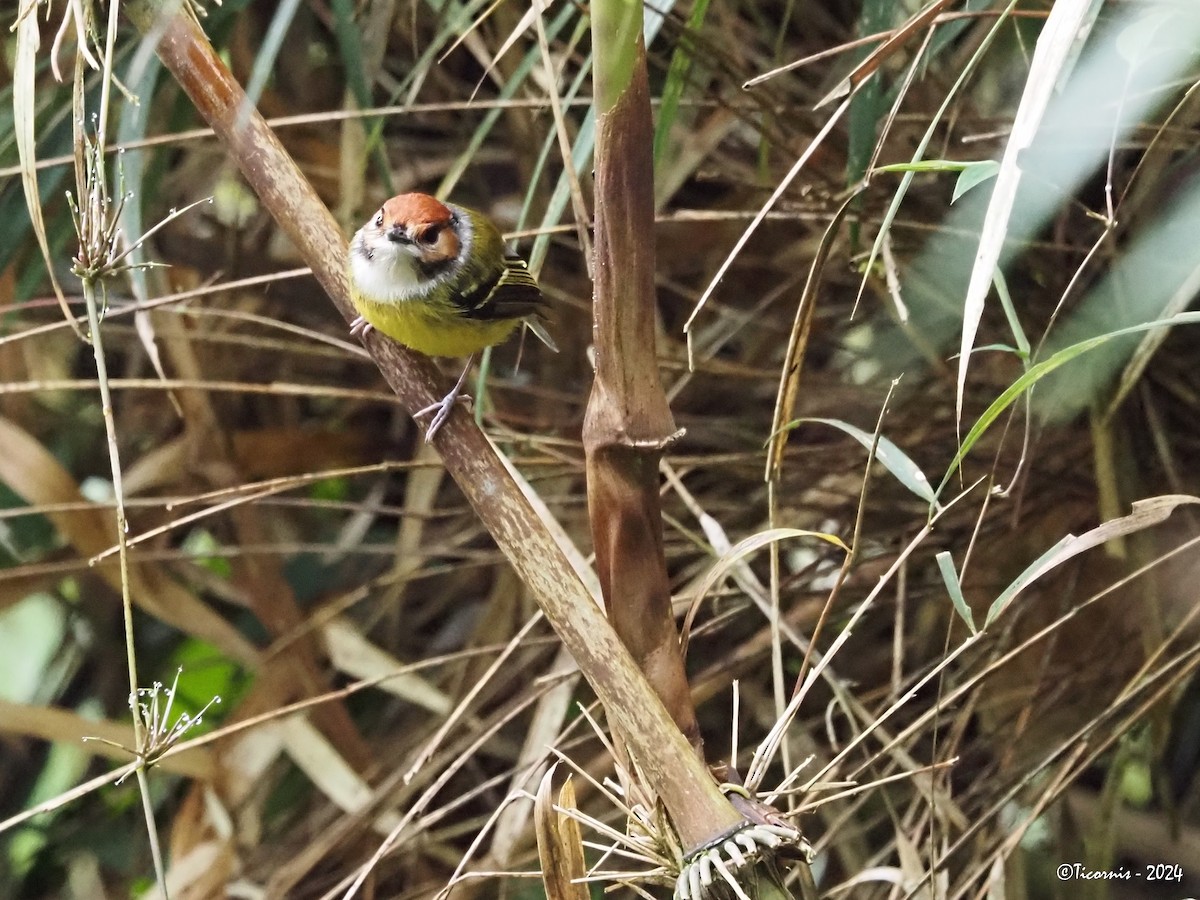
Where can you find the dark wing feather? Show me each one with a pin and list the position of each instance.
(512, 294)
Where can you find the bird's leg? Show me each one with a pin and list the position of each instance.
(360, 327)
(441, 409)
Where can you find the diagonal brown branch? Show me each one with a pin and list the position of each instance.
(664, 757)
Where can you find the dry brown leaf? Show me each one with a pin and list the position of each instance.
(560, 845)
(32, 472)
(258, 453)
(354, 655)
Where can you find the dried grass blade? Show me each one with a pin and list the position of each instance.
(740, 550)
(578, 204)
(24, 127)
(865, 69)
(783, 185)
(793, 361)
(547, 724)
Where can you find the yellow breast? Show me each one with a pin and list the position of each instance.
(433, 329)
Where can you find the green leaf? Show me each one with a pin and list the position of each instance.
(895, 460)
(951, 97)
(206, 674)
(205, 551)
(931, 165)
(1039, 371)
(677, 75)
(268, 51)
(1145, 514)
(974, 174)
(1010, 313)
(869, 106)
(350, 45)
(514, 82)
(946, 566)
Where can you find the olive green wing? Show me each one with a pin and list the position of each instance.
(511, 293)
(521, 288)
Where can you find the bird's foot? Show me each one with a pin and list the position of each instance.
(441, 411)
(360, 327)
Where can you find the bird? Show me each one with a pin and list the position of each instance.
(437, 278)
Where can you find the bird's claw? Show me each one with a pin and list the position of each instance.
(442, 408)
(441, 411)
(360, 327)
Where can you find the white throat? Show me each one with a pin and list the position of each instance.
(388, 274)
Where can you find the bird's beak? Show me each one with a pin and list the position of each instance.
(397, 235)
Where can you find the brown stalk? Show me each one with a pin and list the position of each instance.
(665, 759)
(628, 422)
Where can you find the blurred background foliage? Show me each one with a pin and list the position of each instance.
(282, 506)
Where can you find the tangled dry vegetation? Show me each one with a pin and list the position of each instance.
(978, 700)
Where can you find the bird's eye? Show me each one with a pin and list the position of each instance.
(431, 234)
(379, 219)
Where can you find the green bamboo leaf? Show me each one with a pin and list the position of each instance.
(974, 175)
(972, 172)
(581, 158)
(1010, 313)
(951, 96)
(513, 84)
(677, 76)
(895, 460)
(1053, 45)
(1039, 371)
(1146, 513)
(869, 105)
(350, 45)
(954, 587)
(268, 50)
(533, 192)
(931, 165)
